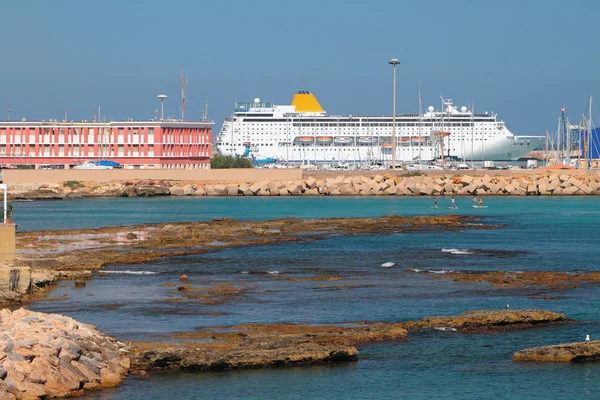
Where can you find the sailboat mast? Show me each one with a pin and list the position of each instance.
(546, 152)
(589, 133)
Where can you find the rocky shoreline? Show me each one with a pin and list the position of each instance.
(49, 355)
(560, 183)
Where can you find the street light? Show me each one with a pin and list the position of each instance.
(162, 98)
(394, 62)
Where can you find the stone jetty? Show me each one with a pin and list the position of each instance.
(570, 352)
(49, 355)
(414, 184)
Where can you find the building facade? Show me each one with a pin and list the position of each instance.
(134, 144)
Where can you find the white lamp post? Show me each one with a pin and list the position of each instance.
(162, 98)
(394, 62)
(4, 188)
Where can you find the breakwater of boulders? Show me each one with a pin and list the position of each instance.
(547, 184)
(50, 355)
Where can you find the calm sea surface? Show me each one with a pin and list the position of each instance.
(537, 234)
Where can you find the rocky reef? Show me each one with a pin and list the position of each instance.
(412, 184)
(570, 352)
(480, 321)
(49, 355)
(522, 279)
(41, 263)
(269, 345)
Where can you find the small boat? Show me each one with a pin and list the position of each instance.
(305, 139)
(404, 138)
(418, 139)
(387, 145)
(92, 165)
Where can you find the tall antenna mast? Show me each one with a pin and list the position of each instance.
(182, 96)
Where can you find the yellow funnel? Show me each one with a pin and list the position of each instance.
(306, 102)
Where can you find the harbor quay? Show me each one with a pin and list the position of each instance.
(57, 184)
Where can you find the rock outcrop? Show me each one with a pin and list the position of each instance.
(571, 352)
(18, 283)
(49, 355)
(268, 345)
(489, 320)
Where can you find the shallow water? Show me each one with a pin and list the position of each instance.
(132, 302)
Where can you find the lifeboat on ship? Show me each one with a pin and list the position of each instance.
(404, 139)
(343, 140)
(324, 139)
(417, 139)
(387, 146)
(366, 140)
(306, 139)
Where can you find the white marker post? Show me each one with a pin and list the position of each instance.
(4, 188)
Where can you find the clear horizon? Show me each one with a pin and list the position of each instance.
(523, 60)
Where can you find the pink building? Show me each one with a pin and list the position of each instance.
(134, 144)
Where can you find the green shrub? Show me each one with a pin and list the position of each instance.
(224, 162)
(73, 184)
(9, 211)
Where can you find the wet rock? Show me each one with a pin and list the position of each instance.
(183, 277)
(131, 236)
(79, 284)
(489, 320)
(176, 191)
(149, 191)
(571, 352)
(129, 191)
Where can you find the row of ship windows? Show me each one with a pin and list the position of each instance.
(352, 131)
(364, 122)
(310, 144)
(424, 125)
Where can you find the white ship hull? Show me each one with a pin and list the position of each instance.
(303, 132)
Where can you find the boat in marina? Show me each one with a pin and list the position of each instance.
(303, 132)
(100, 164)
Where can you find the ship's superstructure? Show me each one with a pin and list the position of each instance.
(303, 132)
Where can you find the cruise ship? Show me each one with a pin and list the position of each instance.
(304, 133)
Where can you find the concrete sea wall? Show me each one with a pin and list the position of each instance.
(13, 176)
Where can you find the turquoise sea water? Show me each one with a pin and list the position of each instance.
(536, 234)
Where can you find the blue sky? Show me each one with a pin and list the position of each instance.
(523, 59)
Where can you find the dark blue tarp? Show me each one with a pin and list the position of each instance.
(593, 144)
(108, 163)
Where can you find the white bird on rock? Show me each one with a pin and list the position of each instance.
(587, 338)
